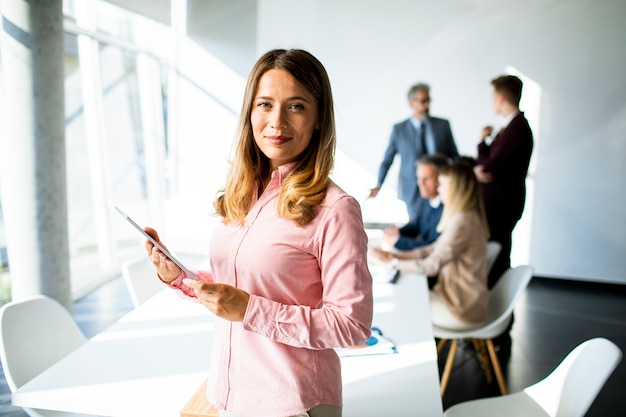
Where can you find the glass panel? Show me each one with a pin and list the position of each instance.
(5, 282)
(122, 120)
(79, 181)
(124, 144)
(69, 13)
(115, 21)
(123, 159)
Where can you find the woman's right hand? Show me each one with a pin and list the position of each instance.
(166, 269)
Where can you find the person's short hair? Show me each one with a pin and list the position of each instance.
(437, 160)
(469, 160)
(510, 87)
(417, 87)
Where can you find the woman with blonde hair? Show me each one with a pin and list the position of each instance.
(460, 297)
(289, 279)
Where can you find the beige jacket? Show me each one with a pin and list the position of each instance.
(458, 257)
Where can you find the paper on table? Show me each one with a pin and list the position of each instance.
(377, 344)
(381, 273)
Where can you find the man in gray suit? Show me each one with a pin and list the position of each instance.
(418, 135)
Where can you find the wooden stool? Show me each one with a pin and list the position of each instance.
(198, 405)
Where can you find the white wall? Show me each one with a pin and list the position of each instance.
(572, 52)
(226, 29)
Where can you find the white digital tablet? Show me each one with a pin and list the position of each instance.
(161, 248)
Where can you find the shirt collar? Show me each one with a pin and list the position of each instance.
(435, 202)
(279, 174)
(508, 119)
(276, 178)
(282, 171)
(416, 122)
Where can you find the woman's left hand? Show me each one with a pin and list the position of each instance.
(391, 235)
(223, 300)
(381, 255)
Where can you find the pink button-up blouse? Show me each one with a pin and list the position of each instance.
(310, 291)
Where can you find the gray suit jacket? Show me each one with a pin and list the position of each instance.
(404, 141)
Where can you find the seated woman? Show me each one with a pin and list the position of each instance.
(459, 299)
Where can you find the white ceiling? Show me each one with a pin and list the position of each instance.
(158, 10)
(225, 28)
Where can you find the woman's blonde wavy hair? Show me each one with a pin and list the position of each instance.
(305, 187)
(463, 194)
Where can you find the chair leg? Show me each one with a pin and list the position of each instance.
(483, 358)
(496, 367)
(448, 368)
(440, 345)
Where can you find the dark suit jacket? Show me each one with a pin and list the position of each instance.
(422, 230)
(404, 140)
(507, 159)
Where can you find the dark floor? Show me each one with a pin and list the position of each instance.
(551, 318)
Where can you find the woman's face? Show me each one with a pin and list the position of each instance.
(284, 115)
(444, 186)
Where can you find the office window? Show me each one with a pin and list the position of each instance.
(111, 86)
(147, 129)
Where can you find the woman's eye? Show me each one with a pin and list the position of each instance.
(263, 104)
(296, 107)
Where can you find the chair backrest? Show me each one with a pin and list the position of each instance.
(35, 333)
(493, 250)
(572, 387)
(502, 299)
(504, 294)
(141, 280)
(140, 276)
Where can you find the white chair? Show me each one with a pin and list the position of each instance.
(35, 333)
(493, 250)
(140, 276)
(502, 298)
(568, 391)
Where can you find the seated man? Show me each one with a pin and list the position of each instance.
(422, 229)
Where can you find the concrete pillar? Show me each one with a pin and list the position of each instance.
(32, 149)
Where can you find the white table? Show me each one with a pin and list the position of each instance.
(155, 357)
(147, 364)
(402, 384)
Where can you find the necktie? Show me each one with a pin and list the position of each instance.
(423, 137)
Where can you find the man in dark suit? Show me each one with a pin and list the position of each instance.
(420, 134)
(501, 168)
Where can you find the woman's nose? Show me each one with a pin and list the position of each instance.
(278, 118)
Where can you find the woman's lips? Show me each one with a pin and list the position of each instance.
(277, 140)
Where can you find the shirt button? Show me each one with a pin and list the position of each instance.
(233, 253)
(255, 328)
